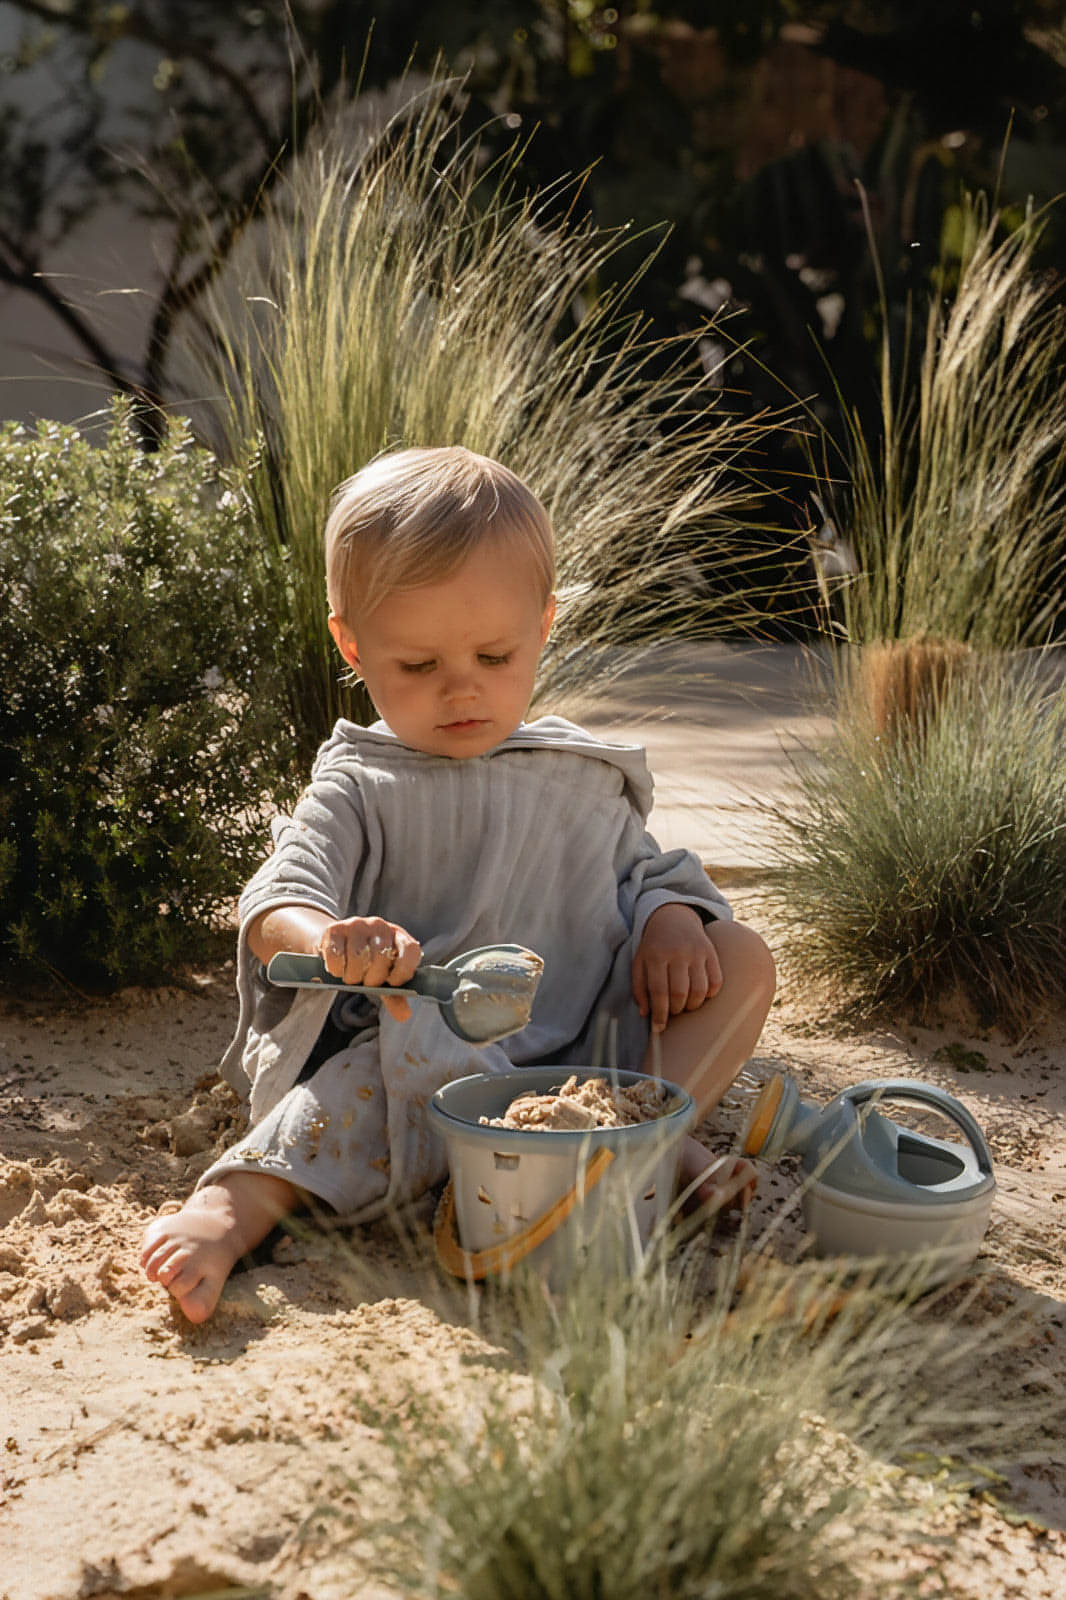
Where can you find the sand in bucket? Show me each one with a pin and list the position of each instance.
(556, 1197)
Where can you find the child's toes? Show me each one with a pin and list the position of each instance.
(157, 1238)
(155, 1258)
(170, 1270)
(734, 1181)
(195, 1291)
(715, 1184)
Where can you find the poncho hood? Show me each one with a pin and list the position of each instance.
(546, 733)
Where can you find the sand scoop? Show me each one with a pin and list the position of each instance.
(484, 994)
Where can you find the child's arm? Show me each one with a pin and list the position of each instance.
(676, 966)
(355, 949)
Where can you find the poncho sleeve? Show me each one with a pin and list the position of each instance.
(316, 861)
(317, 851)
(652, 877)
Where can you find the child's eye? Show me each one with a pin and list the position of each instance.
(417, 666)
(494, 661)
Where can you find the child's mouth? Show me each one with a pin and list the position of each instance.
(465, 726)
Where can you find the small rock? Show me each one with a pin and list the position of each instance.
(32, 1299)
(29, 1328)
(35, 1210)
(68, 1300)
(188, 1135)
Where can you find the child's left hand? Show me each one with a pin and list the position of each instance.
(676, 966)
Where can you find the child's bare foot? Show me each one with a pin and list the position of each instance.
(193, 1251)
(715, 1182)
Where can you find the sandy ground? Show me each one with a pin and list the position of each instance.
(141, 1457)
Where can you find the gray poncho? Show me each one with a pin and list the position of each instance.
(541, 842)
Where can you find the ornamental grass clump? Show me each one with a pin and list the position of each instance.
(645, 1438)
(401, 290)
(138, 738)
(955, 529)
(926, 856)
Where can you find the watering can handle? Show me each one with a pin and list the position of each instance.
(926, 1094)
(477, 1264)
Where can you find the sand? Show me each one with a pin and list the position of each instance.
(141, 1456)
(591, 1103)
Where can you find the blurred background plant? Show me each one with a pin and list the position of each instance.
(402, 291)
(598, 360)
(951, 527)
(138, 730)
(745, 131)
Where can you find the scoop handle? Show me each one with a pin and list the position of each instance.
(926, 1094)
(290, 969)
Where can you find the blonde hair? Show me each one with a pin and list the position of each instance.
(412, 516)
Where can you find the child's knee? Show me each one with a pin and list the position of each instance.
(747, 964)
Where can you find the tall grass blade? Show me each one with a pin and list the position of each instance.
(398, 292)
(956, 515)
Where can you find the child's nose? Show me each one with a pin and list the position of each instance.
(459, 683)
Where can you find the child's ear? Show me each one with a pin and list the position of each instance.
(547, 619)
(345, 641)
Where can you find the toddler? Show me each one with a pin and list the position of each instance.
(451, 823)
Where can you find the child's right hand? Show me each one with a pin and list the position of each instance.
(372, 951)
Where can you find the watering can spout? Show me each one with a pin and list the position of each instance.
(780, 1121)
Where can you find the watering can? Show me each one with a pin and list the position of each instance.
(874, 1188)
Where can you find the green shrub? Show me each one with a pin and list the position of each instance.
(137, 730)
(929, 856)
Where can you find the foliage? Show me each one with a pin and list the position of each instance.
(648, 1438)
(405, 294)
(928, 855)
(191, 111)
(955, 525)
(137, 733)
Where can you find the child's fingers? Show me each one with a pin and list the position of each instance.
(394, 962)
(408, 955)
(344, 952)
(668, 986)
(697, 986)
(382, 952)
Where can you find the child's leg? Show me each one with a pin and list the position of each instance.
(327, 1138)
(704, 1050)
(193, 1251)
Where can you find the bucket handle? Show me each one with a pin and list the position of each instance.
(929, 1095)
(499, 1258)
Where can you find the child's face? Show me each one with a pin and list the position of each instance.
(450, 665)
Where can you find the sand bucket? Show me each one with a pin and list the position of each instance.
(553, 1198)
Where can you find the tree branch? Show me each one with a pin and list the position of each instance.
(130, 25)
(23, 274)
